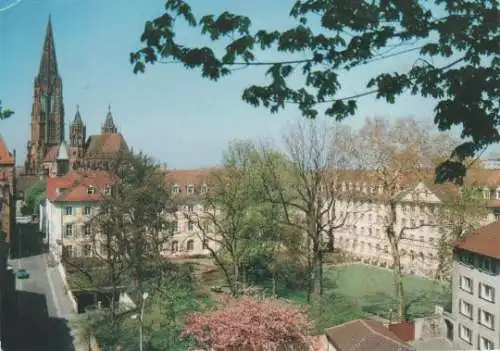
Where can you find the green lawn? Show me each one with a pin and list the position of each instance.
(359, 290)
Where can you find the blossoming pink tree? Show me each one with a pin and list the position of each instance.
(250, 324)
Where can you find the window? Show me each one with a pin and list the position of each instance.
(421, 238)
(496, 213)
(69, 210)
(497, 194)
(487, 292)
(466, 284)
(204, 189)
(68, 230)
(486, 344)
(90, 190)
(486, 265)
(466, 258)
(421, 222)
(190, 226)
(174, 247)
(174, 227)
(190, 208)
(176, 189)
(485, 319)
(107, 190)
(465, 309)
(465, 334)
(190, 245)
(370, 232)
(87, 229)
(386, 249)
(87, 210)
(486, 194)
(190, 189)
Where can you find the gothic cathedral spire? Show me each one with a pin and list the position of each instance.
(47, 114)
(47, 71)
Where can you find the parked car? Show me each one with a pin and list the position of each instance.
(22, 274)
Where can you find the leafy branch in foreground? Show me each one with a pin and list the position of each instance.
(350, 34)
(5, 113)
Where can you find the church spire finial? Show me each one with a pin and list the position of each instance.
(109, 125)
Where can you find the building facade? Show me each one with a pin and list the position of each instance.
(418, 220)
(48, 125)
(7, 228)
(65, 216)
(476, 290)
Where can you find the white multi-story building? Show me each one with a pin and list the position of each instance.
(71, 202)
(475, 317)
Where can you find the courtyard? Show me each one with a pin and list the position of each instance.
(358, 290)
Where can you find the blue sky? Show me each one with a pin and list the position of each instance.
(168, 112)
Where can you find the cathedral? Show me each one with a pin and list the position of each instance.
(47, 144)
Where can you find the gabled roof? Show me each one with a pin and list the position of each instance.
(364, 335)
(6, 158)
(484, 241)
(73, 187)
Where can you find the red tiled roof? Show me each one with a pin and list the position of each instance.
(6, 158)
(364, 335)
(76, 186)
(484, 241)
(105, 144)
(51, 154)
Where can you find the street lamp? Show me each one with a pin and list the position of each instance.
(141, 316)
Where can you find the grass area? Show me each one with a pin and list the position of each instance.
(370, 290)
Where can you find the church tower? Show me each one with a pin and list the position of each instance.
(109, 126)
(47, 114)
(77, 139)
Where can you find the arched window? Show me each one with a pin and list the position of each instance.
(190, 245)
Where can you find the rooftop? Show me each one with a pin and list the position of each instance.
(484, 241)
(362, 335)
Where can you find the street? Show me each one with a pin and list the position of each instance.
(43, 308)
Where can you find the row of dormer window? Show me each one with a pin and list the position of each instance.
(489, 194)
(190, 189)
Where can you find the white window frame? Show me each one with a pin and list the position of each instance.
(486, 344)
(466, 308)
(176, 189)
(190, 226)
(68, 210)
(482, 292)
(465, 330)
(87, 210)
(90, 190)
(68, 229)
(190, 189)
(483, 317)
(464, 287)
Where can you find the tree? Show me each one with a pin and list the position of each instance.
(467, 212)
(124, 235)
(458, 63)
(33, 196)
(251, 324)
(396, 156)
(5, 113)
(227, 225)
(306, 184)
